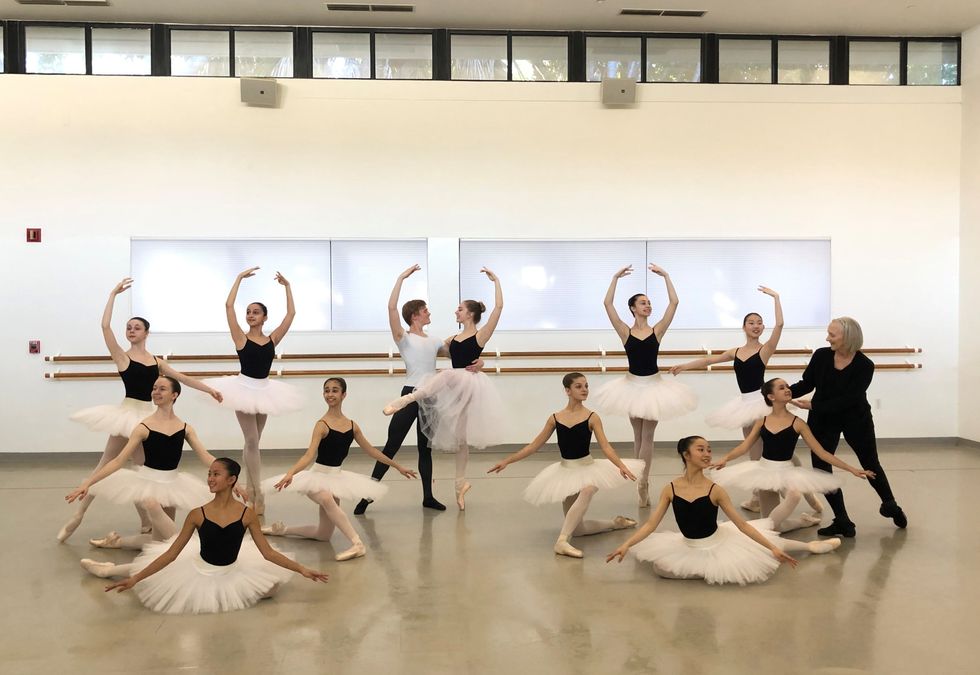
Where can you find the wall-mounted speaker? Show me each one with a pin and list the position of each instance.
(260, 91)
(618, 92)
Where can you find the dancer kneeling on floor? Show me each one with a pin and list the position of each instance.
(775, 472)
(736, 552)
(325, 482)
(221, 572)
(577, 477)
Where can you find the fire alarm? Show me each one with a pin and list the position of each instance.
(34, 235)
(34, 346)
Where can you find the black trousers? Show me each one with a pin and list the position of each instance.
(398, 428)
(859, 432)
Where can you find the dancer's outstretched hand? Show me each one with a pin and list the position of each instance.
(281, 279)
(626, 473)
(497, 468)
(675, 370)
(241, 493)
(490, 275)
(284, 483)
(619, 553)
(625, 272)
(122, 286)
(864, 475)
(720, 464)
(250, 272)
(313, 575)
(656, 269)
(121, 586)
(409, 272)
(802, 403)
(216, 395)
(784, 557)
(77, 493)
(768, 291)
(408, 473)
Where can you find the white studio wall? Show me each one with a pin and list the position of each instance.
(98, 160)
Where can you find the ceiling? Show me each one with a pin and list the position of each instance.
(831, 17)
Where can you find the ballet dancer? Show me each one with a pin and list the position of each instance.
(419, 351)
(325, 483)
(643, 395)
(774, 473)
(841, 375)
(575, 480)
(252, 394)
(221, 571)
(156, 484)
(736, 552)
(745, 410)
(460, 408)
(138, 369)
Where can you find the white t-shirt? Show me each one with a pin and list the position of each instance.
(419, 354)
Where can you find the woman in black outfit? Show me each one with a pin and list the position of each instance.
(841, 375)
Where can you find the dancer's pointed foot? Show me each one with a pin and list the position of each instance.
(824, 545)
(751, 505)
(111, 540)
(398, 404)
(562, 547)
(362, 506)
(99, 569)
(810, 519)
(355, 551)
(69, 528)
(643, 493)
(462, 487)
(433, 503)
(623, 523)
(276, 529)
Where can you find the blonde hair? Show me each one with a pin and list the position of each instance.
(852, 334)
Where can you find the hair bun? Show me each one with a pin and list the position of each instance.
(483, 307)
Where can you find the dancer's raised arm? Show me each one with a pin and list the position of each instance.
(661, 326)
(117, 353)
(394, 318)
(621, 328)
(704, 362)
(769, 348)
(237, 334)
(485, 331)
(280, 332)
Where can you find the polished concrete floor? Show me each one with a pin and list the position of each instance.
(481, 592)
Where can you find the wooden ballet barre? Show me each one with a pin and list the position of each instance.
(514, 370)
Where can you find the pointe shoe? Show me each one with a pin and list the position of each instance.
(891, 509)
(824, 546)
(623, 523)
(643, 493)
(811, 519)
(111, 540)
(69, 528)
(461, 490)
(398, 404)
(362, 506)
(99, 569)
(562, 547)
(751, 505)
(146, 529)
(276, 529)
(355, 551)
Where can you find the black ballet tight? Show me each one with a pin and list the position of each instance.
(398, 428)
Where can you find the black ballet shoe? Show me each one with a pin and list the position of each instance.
(362, 506)
(891, 509)
(838, 529)
(433, 503)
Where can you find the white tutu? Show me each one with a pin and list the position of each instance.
(561, 479)
(648, 397)
(742, 411)
(169, 488)
(257, 397)
(116, 420)
(726, 557)
(460, 408)
(766, 474)
(189, 585)
(343, 484)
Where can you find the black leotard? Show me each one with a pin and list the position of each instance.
(334, 447)
(255, 359)
(750, 373)
(163, 451)
(138, 379)
(642, 354)
(464, 352)
(220, 545)
(697, 519)
(779, 446)
(574, 441)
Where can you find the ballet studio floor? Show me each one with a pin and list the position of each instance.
(481, 592)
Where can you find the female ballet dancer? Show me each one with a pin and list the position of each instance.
(138, 369)
(643, 395)
(745, 410)
(774, 473)
(252, 394)
(577, 477)
(221, 571)
(736, 552)
(419, 352)
(461, 408)
(325, 483)
(157, 484)
(841, 375)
